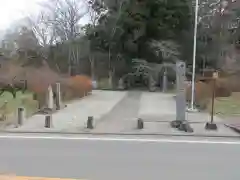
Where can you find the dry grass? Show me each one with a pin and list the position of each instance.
(227, 106)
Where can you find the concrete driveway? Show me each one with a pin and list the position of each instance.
(75, 115)
(117, 112)
(157, 111)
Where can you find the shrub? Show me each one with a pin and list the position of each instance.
(38, 80)
(82, 83)
(222, 88)
(202, 94)
(76, 87)
(234, 83)
(203, 91)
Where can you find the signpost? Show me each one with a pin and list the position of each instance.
(212, 125)
(215, 76)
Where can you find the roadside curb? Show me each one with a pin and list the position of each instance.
(109, 134)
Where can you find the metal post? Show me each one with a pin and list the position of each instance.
(194, 56)
(21, 116)
(212, 125)
(48, 121)
(58, 96)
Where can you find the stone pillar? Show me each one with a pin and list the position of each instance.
(49, 98)
(151, 84)
(94, 84)
(121, 84)
(181, 94)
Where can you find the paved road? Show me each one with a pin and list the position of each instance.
(118, 159)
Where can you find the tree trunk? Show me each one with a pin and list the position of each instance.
(92, 63)
(110, 72)
(110, 79)
(69, 62)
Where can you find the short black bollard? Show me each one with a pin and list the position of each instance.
(211, 126)
(20, 116)
(48, 121)
(90, 122)
(140, 123)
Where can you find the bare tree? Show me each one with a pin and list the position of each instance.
(93, 17)
(65, 17)
(115, 27)
(218, 18)
(44, 31)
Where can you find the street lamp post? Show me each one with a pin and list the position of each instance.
(194, 56)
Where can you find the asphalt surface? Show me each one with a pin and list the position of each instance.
(118, 159)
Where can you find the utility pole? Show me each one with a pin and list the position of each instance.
(194, 58)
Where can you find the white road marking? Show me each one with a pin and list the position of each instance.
(12, 177)
(120, 139)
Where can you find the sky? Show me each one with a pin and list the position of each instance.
(12, 10)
